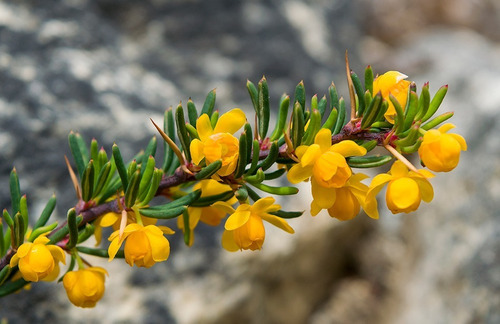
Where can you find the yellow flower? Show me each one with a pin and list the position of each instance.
(37, 260)
(440, 151)
(209, 215)
(218, 143)
(348, 199)
(145, 245)
(113, 220)
(326, 165)
(85, 287)
(404, 192)
(244, 229)
(392, 82)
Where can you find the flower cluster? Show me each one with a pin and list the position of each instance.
(217, 170)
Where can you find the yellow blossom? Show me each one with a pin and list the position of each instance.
(37, 260)
(218, 143)
(112, 219)
(405, 190)
(244, 228)
(440, 151)
(348, 199)
(392, 82)
(326, 165)
(144, 246)
(209, 215)
(85, 287)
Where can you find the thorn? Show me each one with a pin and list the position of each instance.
(74, 179)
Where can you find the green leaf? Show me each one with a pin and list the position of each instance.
(322, 106)
(297, 124)
(102, 178)
(372, 111)
(192, 131)
(254, 95)
(256, 178)
(241, 194)
(15, 191)
(182, 131)
(370, 145)
(103, 253)
(187, 229)
(287, 214)
(341, 117)
(19, 227)
(368, 161)
(282, 118)
(87, 182)
(300, 95)
(41, 230)
(411, 110)
(147, 175)
(334, 97)
(182, 201)
(399, 118)
(132, 189)
(209, 200)
(435, 102)
(77, 153)
(271, 157)
(72, 229)
(162, 213)
(276, 190)
(94, 149)
(412, 148)
(4, 273)
(274, 175)
(248, 132)
(255, 157)
(209, 104)
(23, 209)
(242, 157)
(438, 120)
(86, 233)
(369, 79)
(209, 170)
(252, 194)
(312, 128)
(150, 151)
(360, 93)
(423, 102)
(12, 286)
(214, 118)
(153, 187)
(192, 113)
(263, 113)
(169, 129)
(120, 166)
(331, 120)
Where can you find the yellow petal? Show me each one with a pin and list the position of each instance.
(42, 239)
(323, 197)
(278, 222)
(461, 141)
(236, 220)
(57, 253)
(446, 127)
(113, 247)
(160, 247)
(426, 190)
(298, 173)
(315, 209)
(228, 241)
(196, 149)
(231, 121)
(224, 206)
(399, 169)
(24, 249)
(262, 204)
(204, 127)
(194, 216)
(312, 153)
(348, 148)
(14, 261)
(300, 151)
(109, 219)
(324, 139)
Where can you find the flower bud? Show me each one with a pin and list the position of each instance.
(85, 287)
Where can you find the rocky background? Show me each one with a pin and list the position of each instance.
(104, 67)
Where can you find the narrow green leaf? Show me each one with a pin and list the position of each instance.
(209, 104)
(87, 182)
(256, 178)
(103, 253)
(412, 148)
(297, 124)
(72, 229)
(370, 145)
(331, 120)
(41, 230)
(148, 152)
(276, 190)
(209, 170)
(4, 273)
(248, 132)
(438, 120)
(162, 213)
(182, 201)
(157, 176)
(334, 97)
(132, 189)
(411, 110)
(274, 175)
(19, 227)
(322, 106)
(77, 153)
(242, 157)
(12, 286)
(423, 102)
(313, 128)
(300, 95)
(369, 79)
(147, 175)
(7, 240)
(254, 95)
(209, 200)
(282, 118)
(287, 214)
(360, 93)
(60, 234)
(368, 161)
(263, 113)
(102, 178)
(169, 129)
(255, 157)
(83, 148)
(252, 194)
(187, 229)
(94, 151)
(15, 191)
(435, 102)
(23, 209)
(381, 115)
(192, 112)
(102, 159)
(214, 118)
(341, 117)
(399, 118)
(182, 132)
(120, 166)
(192, 131)
(2, 244)
(86, 233)
(241, 194)
(271, 157)
(372, 111)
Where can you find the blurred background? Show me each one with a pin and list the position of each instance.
(104, 67)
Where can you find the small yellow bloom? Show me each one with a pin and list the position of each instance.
(209, 215)
(145, 245)
(326, 165)
(440, 151)
(392, 82)
(218, 143)
(37, 260)
(113, 220)
(349, 199)
(85, 287)
(405, 190)
(244, 229)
